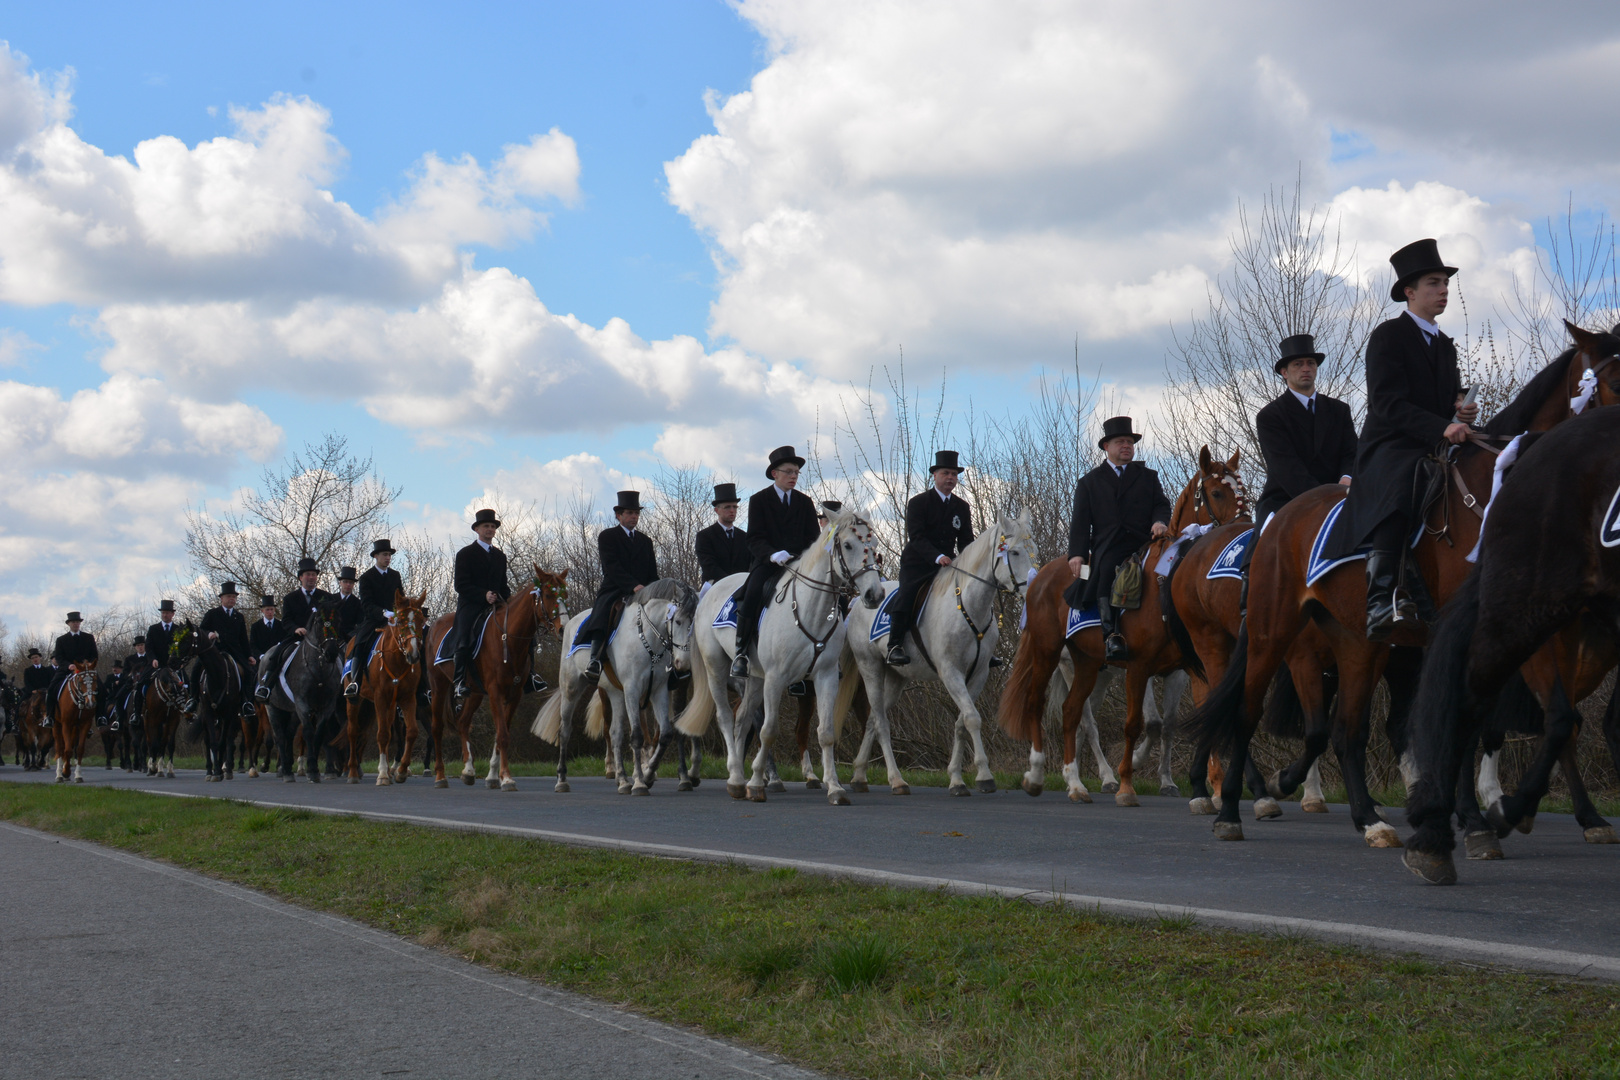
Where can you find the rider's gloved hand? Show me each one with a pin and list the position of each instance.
(780, 558)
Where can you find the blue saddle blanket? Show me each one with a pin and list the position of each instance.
(1081, 620)
(727, 615)
(447, 645)
(881, 622)
(1318, 565)
(1229, 564)
(582, 637)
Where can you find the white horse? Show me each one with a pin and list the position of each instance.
(800, 638)
(653, 635)
(957, 631)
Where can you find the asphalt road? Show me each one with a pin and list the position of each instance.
(116, 966)
(1548, 906)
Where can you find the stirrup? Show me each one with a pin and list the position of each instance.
(593, 670)
(537, 685)
(261, 693)
(798, 689)
(897, 657)
(351, 689)
(739, 666)
(995, 661)
(1115, 649)
(248, 711)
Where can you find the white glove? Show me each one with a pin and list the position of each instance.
(780, 558)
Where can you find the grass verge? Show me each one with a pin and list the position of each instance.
(869, 981)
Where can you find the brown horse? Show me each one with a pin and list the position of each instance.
(1291, 586)
(504, 662)
(389, 690)
(75, 716)
(161, 713)
(1214, 495)
(33, 737)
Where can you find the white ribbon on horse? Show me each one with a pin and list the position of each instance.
(1167, 561)
(1023, 615)
(1504, 461)
(1586, 386)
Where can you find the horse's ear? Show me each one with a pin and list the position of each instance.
(1232, 462)
(1025, 520)
(421, 601)
(537, 571)
(1204, 460)
(1577, 335)
(399, 599)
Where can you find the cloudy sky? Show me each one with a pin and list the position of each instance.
(546, 248)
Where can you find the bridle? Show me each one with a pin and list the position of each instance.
(82, 689)
(1003, 557)
(665, 638)
(1240, 492)
(847, 589)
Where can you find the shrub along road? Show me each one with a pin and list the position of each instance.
(1548, 906)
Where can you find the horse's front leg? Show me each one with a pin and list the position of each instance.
(731, 730)
(501, 708)
(891, 687)
(1107, 782)
(771, 702)
(826, 681)
(405, 703)
(967, 715)
(383, 706)
(640, 764)
(666, 728)
(469, 772)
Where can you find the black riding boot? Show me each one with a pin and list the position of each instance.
(1415, 601)
(739, 665)
(593, 670)
(1381, 566)
(1114, 647)
(463, 662)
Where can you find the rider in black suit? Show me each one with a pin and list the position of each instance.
(628, 565)
(297, 607)
(160, 638)
(226, 626)
(781, 524)
(266, 632)
(939, 524)
(349, 607)
(722, 548)
(480, 582)
(379, 585)
(1118, 506)
(1308, 439)
(74, 647)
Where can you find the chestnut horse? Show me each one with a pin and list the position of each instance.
(389, 690)
(504, 662)
(1214, 495)
(160, 721)
(75, 716)
(1292, 586)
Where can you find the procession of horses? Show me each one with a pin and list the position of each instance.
(1471, 566)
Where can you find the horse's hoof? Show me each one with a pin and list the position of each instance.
(210, 778)
(78, 779)
(1313, 806)
(441, 783)
(624, 787)
(639, 789)
(684, 785)
(736, 791)
(1032, 789)
(776, 786)
(1382, 835)
(812, 784)
(1497, 818)
(1267, 808)
(1273, 788)
(401, 776)
(1126, 798)
(468, 778)
(1228, 830)
(289, 779)
(508, 784)
(315, 777)
(169, 774)
(562, 787)
(609, 773)
(493, 783)
(1389, 815)
(380, 780)
(1076, 795)
(756, 794)
(987, 787)
(696, 780)
(960, 790)
(837, 798)
(1435, 869)
(857, 786)
(1483, 845)
(252, 773)
(1603, 834)
(1170, 791)
(1216, 800)
(383, 780)
(1526, 823)
(1204, 805)
(1110, 787)
(899, 789)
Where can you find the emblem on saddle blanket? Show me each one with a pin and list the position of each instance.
(727, 615)
(1081, 620)
(881, 623)
(583, 641)
(1229, 563)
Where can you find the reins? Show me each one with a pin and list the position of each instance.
(790, 591)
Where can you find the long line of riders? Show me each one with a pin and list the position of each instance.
(1288, 609)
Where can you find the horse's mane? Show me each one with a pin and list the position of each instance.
(977, 555)
(669, 590)
(1517, 414)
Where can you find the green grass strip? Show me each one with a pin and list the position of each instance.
(869, 981)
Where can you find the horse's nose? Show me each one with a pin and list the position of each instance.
(873, 596)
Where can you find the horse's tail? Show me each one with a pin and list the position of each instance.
(548, 724)
(1023, 699)
(848, 686)
(694, 719)
(1172, 618)
(596, 713)
(1438, 706)
(1217, 723)
(1517, 709)
(1285, 714)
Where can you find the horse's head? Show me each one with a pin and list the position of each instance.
(323, 622)
(853, 544)
(1015, 551)
(410, 623)
(1214, 495)
(682, 620)
(551, 591)
(183, 645)
(1593, 377)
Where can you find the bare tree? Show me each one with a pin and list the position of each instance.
(322, 503)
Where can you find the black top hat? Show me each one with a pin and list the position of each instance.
(724, 493)
(1292, 348)
(628, 500)
(944, 459)
(486, 517)
(1116, 426)
(829, 506)
(782, 455)
(140, 639)
(118, 665)
(307, 566)
(166, 605)
(33, 652)
(1412, 262)
(267, 601)
(73, 616)
(227, 588)
(381, 547)
(348, 574)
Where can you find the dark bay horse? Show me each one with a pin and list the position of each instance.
(504, 664)
(1291, 586)
(305, 693)
(389, 691)
(1550, 561)
(219, 707)
(1214, 495)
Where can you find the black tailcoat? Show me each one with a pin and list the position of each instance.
(296, 610)
(349, 611)
(1113, 516)
(477, 572)
(378, 588)
(935, 527)
(232, 631)
(720, 555)
(772, 526)
(1411, 397)
(1302, 450)
(37, 678)
(263, 638)
(135, 663)
(77, 648)
(627, 560)
(158, 641)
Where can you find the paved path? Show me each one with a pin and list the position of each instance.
(1549, 906)
(116, 966)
